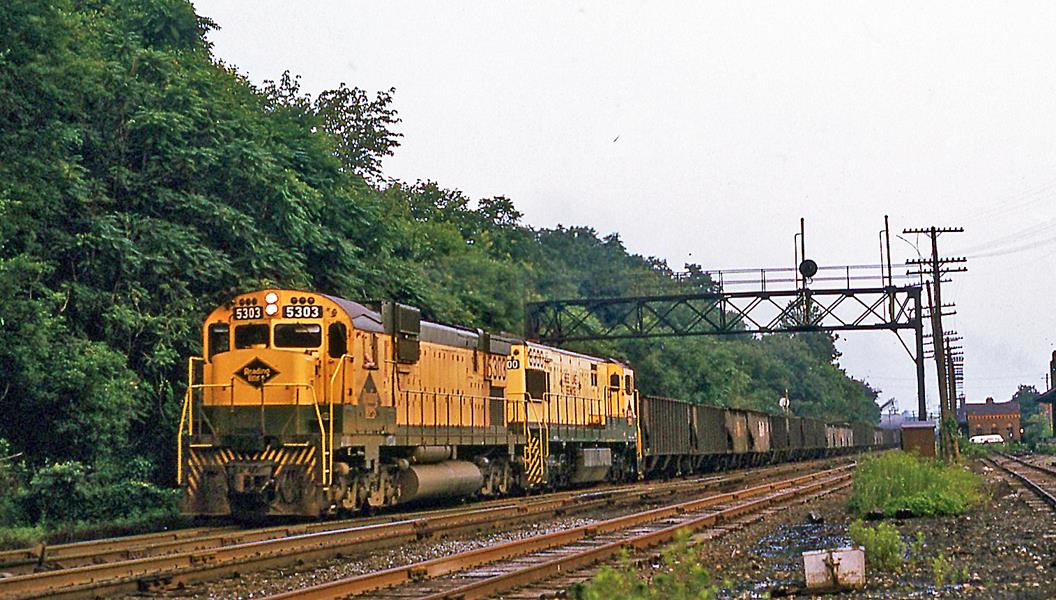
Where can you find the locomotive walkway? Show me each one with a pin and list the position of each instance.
(152, 561)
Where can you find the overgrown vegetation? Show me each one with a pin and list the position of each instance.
(66, 501)
(143, 181)
(884, 548)
(972, 451)
(681, 576)
(899, 483)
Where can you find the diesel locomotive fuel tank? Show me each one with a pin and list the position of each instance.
(448, 479)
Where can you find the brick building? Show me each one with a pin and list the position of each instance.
(994, 417)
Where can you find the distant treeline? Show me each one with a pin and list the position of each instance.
(143, 181)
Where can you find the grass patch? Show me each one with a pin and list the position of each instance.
(12, 538)
(897, 483)
(973, 451)
(15, 537)
(681, 577)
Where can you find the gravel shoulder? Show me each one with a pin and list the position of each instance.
(1003, 549)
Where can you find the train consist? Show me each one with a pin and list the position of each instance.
(307, 404)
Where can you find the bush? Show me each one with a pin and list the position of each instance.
(682, 577)
(900, 483)
(68, 493)
(884, 549)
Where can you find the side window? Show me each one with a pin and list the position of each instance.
(614, 381)
(337, 340)
(219, 339)
(370, 351)
(627, 384)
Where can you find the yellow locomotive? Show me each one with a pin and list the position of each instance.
(308, 404)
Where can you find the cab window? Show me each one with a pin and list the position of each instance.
(249, 336)
(336, 340)
(627, 387)
(536, 383)
(298, 335)
(219, 339)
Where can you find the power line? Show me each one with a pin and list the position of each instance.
(1016, 249)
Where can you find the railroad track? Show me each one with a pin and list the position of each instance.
(93, 552)
(1039, 479)
(552, 562)
(81, 570)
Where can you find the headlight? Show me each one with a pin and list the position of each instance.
(271, 298)
(271, 309)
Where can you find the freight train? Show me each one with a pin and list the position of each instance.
(307, 404)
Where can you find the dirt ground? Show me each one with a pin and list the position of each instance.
(1003, 549)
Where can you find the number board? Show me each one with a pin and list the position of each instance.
(302, 311)
(245, 313)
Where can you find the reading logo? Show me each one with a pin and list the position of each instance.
(257, 372)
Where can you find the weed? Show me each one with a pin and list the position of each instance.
(942, 571)
(916, 548)
(896, 482)
(682, 577)
(884, 549)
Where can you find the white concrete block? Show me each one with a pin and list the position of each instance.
(834, 568)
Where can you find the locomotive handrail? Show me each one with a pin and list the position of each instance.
(472, 400)
(186, 417)
(329, 468)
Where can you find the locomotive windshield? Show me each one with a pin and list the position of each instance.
(251, 336)
(297, 335)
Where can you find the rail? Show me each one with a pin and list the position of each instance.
(1029, 483)
(225, 553)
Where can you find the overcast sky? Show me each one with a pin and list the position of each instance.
(702, 132)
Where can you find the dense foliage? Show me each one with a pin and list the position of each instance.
(143, 181)
(897, 483)
(1036, 425)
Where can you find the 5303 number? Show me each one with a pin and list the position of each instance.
(245, 313)
(302, 311)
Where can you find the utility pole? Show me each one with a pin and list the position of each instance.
(937, 267)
